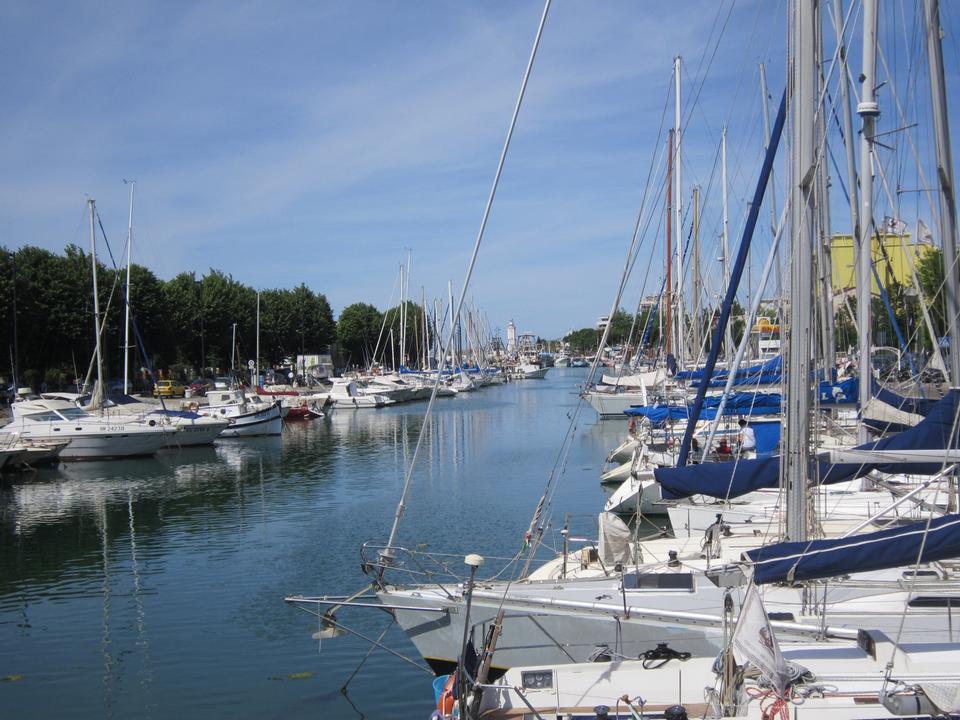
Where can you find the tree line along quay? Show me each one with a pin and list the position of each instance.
(186, 324)
(182, 324)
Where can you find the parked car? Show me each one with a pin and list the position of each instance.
(169, 388)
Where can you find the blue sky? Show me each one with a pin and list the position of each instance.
(315, 142)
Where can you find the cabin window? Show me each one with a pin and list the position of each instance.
(935, 601)
(658, 581)
(48, 416)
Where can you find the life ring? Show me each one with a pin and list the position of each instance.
(447, 701)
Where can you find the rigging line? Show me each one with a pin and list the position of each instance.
(713, 55)
(903, 120)
(591, 375)
(923, 179)
(106, 310)
(914, 280)
(923, 543)
(913, 49)
(466, 283)
(747, 47)
(886, 187)
(567, 443)
(133, 317)
(654, 211)
(383, 322)
(636, 314)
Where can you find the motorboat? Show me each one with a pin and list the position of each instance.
(90, 436)
(192, 428)
(249, 413)
(346, 395)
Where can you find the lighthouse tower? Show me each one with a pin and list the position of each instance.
(511, 337)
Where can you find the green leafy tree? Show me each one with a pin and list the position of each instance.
(620, 325)
(583, 341)
(224, 301)
(930, 275)
(182, 328)
(414, 333)
(357, 330)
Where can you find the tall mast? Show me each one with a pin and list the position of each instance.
(678, 225)
(695, 307)
(256, 364)
(772, 194)
(668, 287)
(948, 200)
(450, 349)
(403, 352)
(96, 296)
(802, 186)
(233, 351)
(126, 334)
(868, 110)
(824, 259)
(403, 315)
(847, 116)
(728, 336)
(437, 331)
(425, 352)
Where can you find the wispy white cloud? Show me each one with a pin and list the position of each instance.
(314, 141)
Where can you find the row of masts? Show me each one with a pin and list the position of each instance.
(810, 344)
(472, 336)
(682, 328)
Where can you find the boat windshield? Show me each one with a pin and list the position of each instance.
(73, 413)
(45, 416)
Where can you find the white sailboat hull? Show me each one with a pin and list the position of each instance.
(268, 421)
(611, 405)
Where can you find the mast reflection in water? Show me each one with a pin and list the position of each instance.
(153, 587)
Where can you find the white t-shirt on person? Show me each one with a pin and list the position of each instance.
(749, 441)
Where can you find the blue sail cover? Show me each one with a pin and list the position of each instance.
(772, 366)
(737, 404)
(792, 561)
(772, 378)
(767, 436)
(835, 393)
(728, 480)
(733, 479)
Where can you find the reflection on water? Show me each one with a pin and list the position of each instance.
(153, 587)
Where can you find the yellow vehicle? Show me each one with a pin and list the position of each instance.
(168, 388)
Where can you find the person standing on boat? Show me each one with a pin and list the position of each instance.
(747, 439)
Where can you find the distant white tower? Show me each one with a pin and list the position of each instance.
(511, 337)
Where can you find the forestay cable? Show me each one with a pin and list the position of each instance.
(387, 555)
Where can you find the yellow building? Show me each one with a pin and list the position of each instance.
(891, 261)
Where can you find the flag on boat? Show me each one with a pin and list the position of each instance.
(754, 641)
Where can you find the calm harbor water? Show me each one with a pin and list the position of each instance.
(154, 587)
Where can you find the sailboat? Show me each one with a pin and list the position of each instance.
(624, 598)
